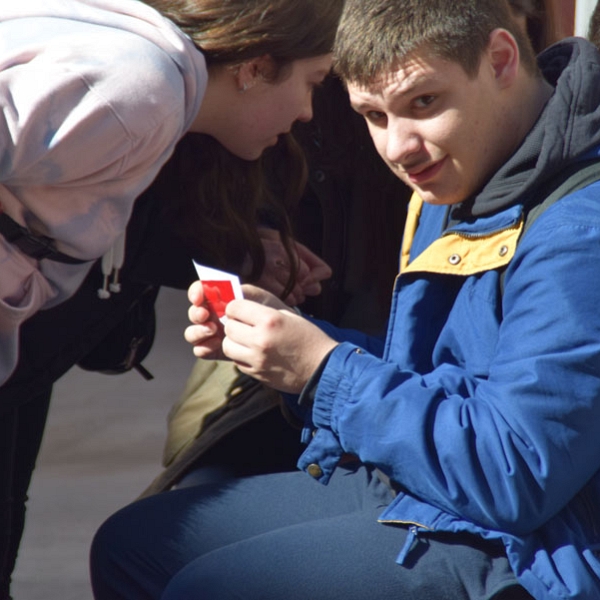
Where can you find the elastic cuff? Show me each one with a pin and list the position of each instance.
(308, 393)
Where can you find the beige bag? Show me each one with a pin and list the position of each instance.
(217, 400)
(207, 389)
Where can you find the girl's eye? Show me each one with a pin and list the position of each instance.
(424, 101)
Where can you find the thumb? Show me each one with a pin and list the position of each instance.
(260, 296)
(256, 294)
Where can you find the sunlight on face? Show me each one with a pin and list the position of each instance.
(269, 109)
(437, 129)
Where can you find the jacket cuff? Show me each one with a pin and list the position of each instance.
(335, 385)
(321, 457)
(307, 396)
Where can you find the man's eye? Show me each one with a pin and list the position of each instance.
(424, 101)
(374, 116)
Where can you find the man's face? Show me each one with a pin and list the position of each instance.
(441, 132)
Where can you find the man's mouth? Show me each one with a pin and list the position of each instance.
(419, 175)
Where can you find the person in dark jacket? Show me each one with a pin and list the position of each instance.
(460, 455)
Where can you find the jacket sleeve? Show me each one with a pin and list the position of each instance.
(506, 449)
(372, 343)
(300, 406)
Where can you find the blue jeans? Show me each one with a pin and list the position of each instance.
(284, 536)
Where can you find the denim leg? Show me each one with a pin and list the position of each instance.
(283, 536)
(139, 549)
(349, 556)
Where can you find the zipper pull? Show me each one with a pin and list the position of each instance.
(410, 539)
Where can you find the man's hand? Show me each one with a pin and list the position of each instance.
(206, 333)
(272, 343)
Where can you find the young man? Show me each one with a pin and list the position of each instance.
(468, 443)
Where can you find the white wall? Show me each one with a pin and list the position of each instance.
(583, 12)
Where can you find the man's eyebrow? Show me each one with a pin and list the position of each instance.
(410, 88)
(359, 106)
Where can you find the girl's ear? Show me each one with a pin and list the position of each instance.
(503, 55)
(253, 71)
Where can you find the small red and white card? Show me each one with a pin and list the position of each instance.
(219, 288)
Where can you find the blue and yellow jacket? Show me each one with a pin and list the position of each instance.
(483, 407)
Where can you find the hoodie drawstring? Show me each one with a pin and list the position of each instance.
(112, 261)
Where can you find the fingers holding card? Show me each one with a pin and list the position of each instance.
(219, 289)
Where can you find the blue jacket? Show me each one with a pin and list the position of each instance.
(484, 406)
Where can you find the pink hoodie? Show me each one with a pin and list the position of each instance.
(94, 94)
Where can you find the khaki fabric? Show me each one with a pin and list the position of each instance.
(206, 390)
(216, 401)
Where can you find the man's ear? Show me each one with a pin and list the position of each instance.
(250, 72)
(503, 56)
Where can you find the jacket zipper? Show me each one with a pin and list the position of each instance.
(411, 537)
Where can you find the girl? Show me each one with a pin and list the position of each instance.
(95, 96)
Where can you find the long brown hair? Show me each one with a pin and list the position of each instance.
(230, 32)
(217, 200)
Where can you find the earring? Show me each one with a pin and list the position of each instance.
(244, 88)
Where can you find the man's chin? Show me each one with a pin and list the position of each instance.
(437, 197)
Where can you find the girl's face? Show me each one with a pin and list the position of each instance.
(257, 111)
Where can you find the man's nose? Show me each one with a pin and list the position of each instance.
(403, 141)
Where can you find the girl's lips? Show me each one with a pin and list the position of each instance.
(427, 173)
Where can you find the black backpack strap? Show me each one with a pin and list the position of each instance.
(35, 245)
(570, 180)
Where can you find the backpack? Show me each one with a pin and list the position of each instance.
(570, 180)
(110, 335)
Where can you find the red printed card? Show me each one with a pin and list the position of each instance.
(219, 288)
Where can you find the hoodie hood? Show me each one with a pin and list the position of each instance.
(567, 130)
(127, 15)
